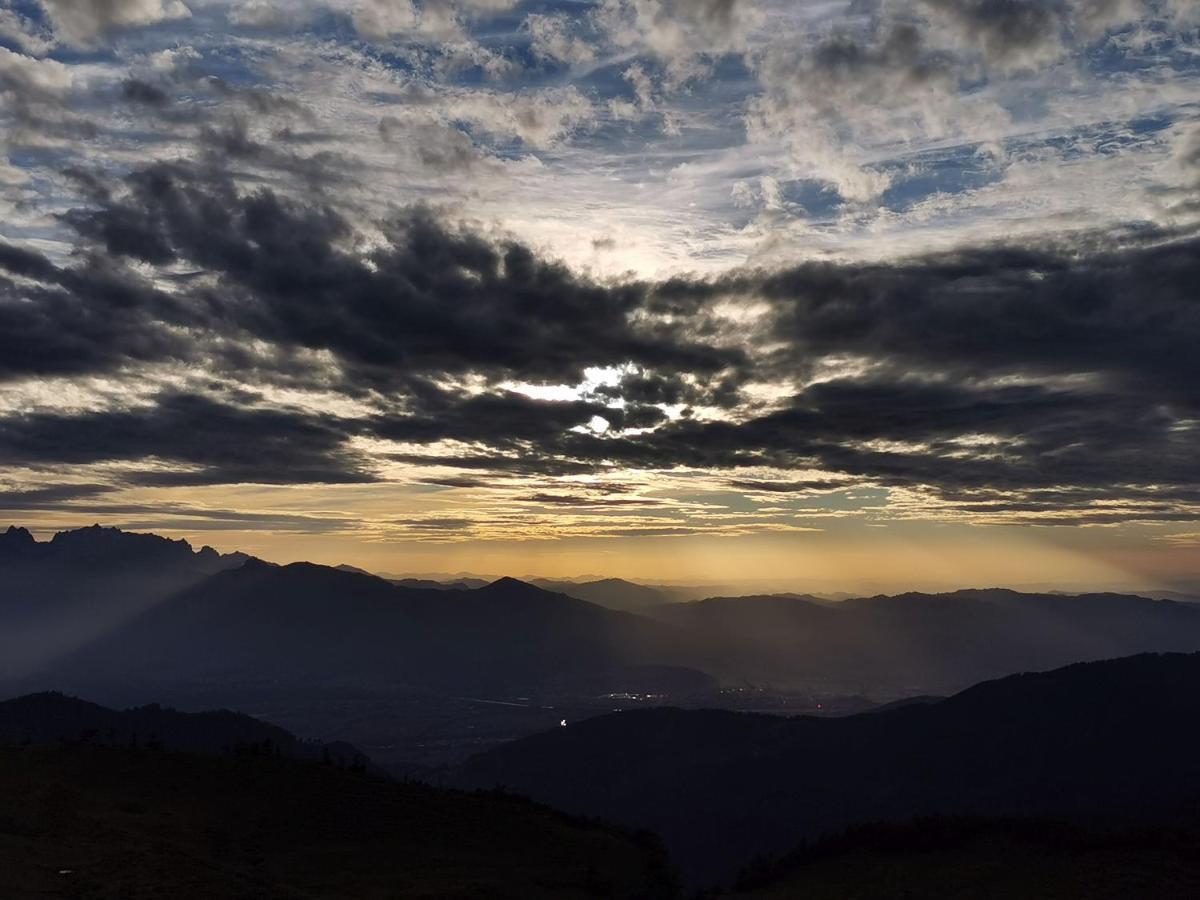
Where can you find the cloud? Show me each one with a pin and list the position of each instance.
(51, 496)
(1009, 34)
(437, 19)
(440, 147)
(28, 35)
(94, 318)
(1095, 17)
(426, 300)
(1002, 370)
(550, 39)
(684, 35)
(83, 22)
(355, 241)
(996, 367)
(26, 79)
(202, 440)
(831, 101)
(538, 118)
(938, 338)
(378, 19)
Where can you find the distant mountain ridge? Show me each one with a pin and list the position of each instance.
(613, 593)
(923, 643)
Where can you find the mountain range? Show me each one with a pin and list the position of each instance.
(333, 653)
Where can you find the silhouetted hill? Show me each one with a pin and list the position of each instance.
(53, 718)
(932, 643)
(724, 787)
(98, 822)
(61, 594)
(613, 593)
(307, 625)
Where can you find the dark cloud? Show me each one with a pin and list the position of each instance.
(457, 481)
(842, 67)
(429, 300)
(89, 319)
(26, 263)
(527, 462)
(996, 368)
(204, 441)
(1126, 315)
(137, 91)
(51, 495)
(505, 419)
(1008, 32)
(549, 499)
(808, 486)
(1036, 437)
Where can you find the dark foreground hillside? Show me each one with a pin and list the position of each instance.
(87, 821)
(987, 859)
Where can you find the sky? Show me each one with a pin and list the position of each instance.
(898, 293)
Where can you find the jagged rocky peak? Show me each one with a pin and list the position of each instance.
(16, 541)
(97, 545)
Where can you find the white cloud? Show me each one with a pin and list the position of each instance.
(551, 39)
(379, 19)
(30, 76)
(441, 20)
(81, 22)
(685, 35)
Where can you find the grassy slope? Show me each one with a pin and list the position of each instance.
(143, 824)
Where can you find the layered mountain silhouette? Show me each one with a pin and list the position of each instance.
(1113, 738)
(306, 625)
(100, 606)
